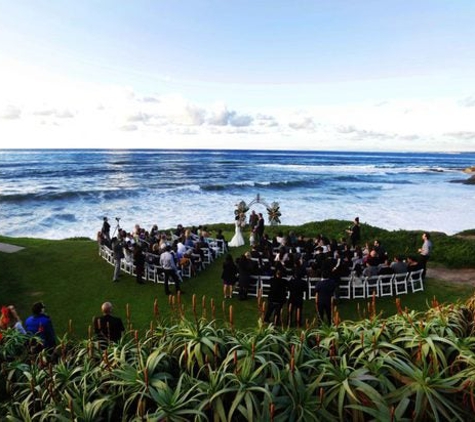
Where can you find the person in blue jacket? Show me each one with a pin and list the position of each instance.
(39, 324)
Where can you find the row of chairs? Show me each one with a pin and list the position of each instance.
(153, 272)
(354, 287)
(351, 287)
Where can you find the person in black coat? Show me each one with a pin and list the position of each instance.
(245, 267)
(107, 327)
(277, 296)
(228, 276)
(325, 288)
(298, 286)
(139, 262)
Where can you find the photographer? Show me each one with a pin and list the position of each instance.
(106, 228)
(355, 233)
(118, 249)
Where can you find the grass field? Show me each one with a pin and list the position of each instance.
(72, 280)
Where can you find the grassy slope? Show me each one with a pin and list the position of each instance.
(73, 281)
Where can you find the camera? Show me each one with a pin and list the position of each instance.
(117, 219)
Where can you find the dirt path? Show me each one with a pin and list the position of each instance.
(462, 276)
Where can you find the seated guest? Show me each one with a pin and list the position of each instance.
(413, 264)
(9, 319)
(398, 265)
(39, 324)
(385, 268)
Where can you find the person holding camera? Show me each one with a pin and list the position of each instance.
(118, 249)
(355, 233)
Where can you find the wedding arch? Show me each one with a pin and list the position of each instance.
(273, 210)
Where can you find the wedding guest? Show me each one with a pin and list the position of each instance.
(108, 327)
(118, 249)
(355, 232)
(139, 262)
(228, 276)
(39, 324)
(398, 265)
(245, 269)
(297, 286)
(277, 297)
(106, 227)
(425, 251)
(413, 264)
(167, 262)
(325, 288)
(9, 319)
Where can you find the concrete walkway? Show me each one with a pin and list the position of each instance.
(5, 247)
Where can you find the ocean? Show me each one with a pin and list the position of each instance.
(57, 194)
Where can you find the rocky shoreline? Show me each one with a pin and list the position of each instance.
(470, 180)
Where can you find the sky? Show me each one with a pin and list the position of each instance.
(312, 75)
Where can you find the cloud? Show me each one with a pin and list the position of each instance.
(303, 123)
(128, 128)
(107, 112)
(466, 136)
(468, 101)
(10, 112)
(139, 117)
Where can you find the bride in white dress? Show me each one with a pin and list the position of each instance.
(237, 239)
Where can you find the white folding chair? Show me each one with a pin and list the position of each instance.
(151, 272)
(311, 287)
(400, 283)
(415, 280)
(372, 286)
(358, 288)
(386, 284)
(265, 285)
(344, 287)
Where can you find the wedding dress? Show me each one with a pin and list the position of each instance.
(237, 239)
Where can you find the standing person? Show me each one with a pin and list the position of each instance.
(253, 218)
(167, 262)
(277, 296)
(245, 268)
(106, 228)
(139, 262)
(9, 319)
(325, 288)
(297, 289)
(237, 239)
(355, 233)
(228, 276)
(260, 228)
(107, 327)
(39, 324)
(118, 249)
(425, 252)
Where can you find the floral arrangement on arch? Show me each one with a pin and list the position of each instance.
(241, 209)
(274, 213)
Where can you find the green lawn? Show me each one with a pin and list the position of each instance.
(72, 280)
